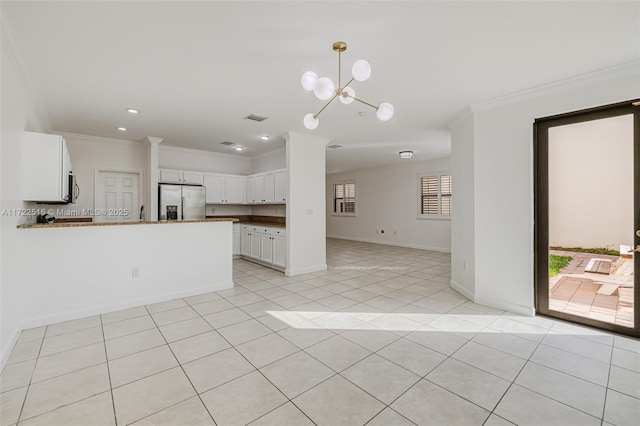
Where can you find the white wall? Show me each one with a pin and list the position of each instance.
(306, 218)
(591, 183)
(87, 270)
(275, 160)
(502, 158)
(171, 157)
(387, 199)
(279, 210)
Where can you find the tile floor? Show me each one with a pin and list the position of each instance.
(378, 339)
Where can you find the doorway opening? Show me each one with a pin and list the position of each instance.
(587, 212)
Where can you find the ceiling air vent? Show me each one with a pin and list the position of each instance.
(255, 117)
(227, 143)
(334, 146)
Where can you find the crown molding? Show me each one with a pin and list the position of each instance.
(202, 152)
(627, 69)
(100, 139)
(9, 47)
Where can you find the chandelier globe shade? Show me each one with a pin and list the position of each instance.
(324, 89)
(351, 94)
(361, 70)
(385, 111)
(310, 122)
(309, 80)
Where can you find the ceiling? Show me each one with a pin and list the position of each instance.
(195, 69)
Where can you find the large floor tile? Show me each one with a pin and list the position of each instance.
(337, 353)
(412, 356)
(304, 337)
(624, 381)
(491, 360)
(174, 315)
(166, 306)
(202, 298)
(577, 345)
(111, 317)
(296, 373)
(389, 417)
(443, 342)
(187, 413)
(36, 333)
(71, 340)
(132, 343)
(471, 383)
(570, 363)
(338, 402)
(626, 359)
(25, 350)
(199, 346)
(267, 349)
(212, 307)
(244, 331)
(228, 317)
(66, 362)
(150, 395)
(54, 393)
(10, 405)
(381, 378)
(139, 365)
(245, 299)
(243, 400)
(214, 370)
(622, 410)
(16, 375)
(426, 403)
(577, 393)
(285, 415)
(129, 326)
(372, 340)
(524, 407)
(98, 408)
(505, 342)
(74, 325)
(183, 329)
(627, 343)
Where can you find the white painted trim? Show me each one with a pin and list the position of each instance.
(164, 147)
(392, 243)
(462, 290)
(308, 270)
(630, 68)
(507, 306)
(101, 139)
(141, 193)
(4, 357)
(98, 310)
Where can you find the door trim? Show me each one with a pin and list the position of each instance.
(99, 170)
(541, 128)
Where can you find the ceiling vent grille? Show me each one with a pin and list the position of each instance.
(255, 117)
(227, 143)
(334, 146)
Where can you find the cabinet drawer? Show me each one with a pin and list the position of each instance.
(278, 231)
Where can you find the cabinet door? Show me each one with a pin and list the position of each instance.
(193, 178)
(245, 244)
(170, 176)
(235, 188)
(266, 248)
(280, 189)
(42, 168)
(279, 251)
(255, 245)
(215, 188)
(269, 187)
(237, 240)
(251, 189)
(260, 188)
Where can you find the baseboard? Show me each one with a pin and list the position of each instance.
(261, 263)
(104, 309)
(392, 243)
(507, 306)
(308, 270)
(462, 290)
(4, 357)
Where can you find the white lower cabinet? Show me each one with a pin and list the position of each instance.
(264, 244)
(237, 240)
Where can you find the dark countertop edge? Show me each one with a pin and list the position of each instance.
(88, 224)
(273, 225)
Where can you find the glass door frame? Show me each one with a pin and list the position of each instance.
(541, 128)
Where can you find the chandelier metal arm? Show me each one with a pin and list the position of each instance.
(325, 105)
(361, 101)
(346, 85)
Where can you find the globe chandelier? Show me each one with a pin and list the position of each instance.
(325, 89)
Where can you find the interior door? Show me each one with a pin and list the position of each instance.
(587, 217)
(117, 197)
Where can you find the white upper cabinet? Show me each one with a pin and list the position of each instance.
(224, 189)
(260, 188)
(280, 186)
(180, 177)
(269, 187)
(251, 189)
(46, 166)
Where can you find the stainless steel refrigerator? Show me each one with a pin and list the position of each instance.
(181, 202)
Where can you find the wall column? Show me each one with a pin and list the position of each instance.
(151, 197)
(306, 209)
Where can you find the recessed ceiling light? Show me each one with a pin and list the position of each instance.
(264, 138)
(405, 155)
(238, 148)
(133, 111)
(122, 129)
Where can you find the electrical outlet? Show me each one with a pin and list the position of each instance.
(135, 272)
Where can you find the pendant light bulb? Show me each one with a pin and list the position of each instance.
(310, 122)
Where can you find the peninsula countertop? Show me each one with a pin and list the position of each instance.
(89, 224)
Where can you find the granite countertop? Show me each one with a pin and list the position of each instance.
(270, 224)
(85, 224)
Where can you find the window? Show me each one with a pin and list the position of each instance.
(344, 199)
(435, 196)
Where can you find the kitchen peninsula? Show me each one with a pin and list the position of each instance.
(82, 269)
